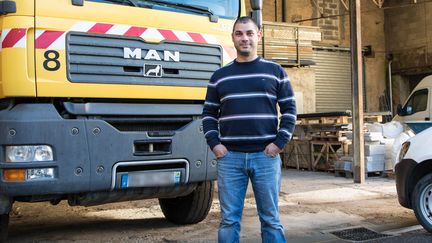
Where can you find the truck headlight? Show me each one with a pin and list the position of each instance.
(403, 151)
(28, 153)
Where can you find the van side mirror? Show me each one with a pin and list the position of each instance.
(399, 109)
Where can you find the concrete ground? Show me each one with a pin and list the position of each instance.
(312, 204)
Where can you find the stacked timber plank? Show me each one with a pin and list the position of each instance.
(288, 44)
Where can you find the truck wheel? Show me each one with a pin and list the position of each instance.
(4, 222)
(422, 201)
(189, 209)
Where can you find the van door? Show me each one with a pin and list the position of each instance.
(417, 108)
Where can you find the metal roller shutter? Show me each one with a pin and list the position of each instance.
(333, 79)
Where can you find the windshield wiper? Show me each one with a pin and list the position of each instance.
(131, 2)
(188, 7)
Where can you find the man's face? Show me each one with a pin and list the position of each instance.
(245, 38)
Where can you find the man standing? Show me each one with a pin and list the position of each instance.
(241, 127)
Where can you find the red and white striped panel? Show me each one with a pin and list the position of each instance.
(13, 38)
(46, 39)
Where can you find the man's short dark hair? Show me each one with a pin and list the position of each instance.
(245, 20)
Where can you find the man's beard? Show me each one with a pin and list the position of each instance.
(244, 53)
(247, 52)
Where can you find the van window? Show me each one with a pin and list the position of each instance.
(416, 103)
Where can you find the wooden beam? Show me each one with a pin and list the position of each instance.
(357, 91)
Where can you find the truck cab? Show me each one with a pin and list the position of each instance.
(101, 101)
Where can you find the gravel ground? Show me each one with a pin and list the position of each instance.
(310, 202)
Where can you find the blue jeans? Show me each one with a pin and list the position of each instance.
(234, 171)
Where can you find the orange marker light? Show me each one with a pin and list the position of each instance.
(14, 175)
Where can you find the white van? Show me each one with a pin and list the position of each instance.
(414, 177)
(416, 112)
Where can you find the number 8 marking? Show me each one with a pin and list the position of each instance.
(51, 59)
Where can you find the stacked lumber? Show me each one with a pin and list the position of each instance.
(288, 44)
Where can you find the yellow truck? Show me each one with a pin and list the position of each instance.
(101, 100)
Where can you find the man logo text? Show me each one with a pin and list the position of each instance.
(136, 53)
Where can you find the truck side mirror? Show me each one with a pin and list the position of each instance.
(7, 7)
(78, 2)
(399, 109)
(256, 12)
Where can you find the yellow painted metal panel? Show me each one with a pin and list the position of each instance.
(17, 64)
(47, 89)
(24, 8)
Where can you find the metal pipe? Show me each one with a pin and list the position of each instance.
(284, 17)
(390, 86)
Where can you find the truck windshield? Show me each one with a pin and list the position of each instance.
(222, 8)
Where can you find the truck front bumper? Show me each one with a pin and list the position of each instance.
(91, 155)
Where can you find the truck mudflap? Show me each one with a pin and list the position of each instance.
(91, 155)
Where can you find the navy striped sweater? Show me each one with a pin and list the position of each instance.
(240, 106)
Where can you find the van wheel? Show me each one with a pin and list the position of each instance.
(422, 201)
(189, 209)
(4, 222)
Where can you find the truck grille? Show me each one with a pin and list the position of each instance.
(97, 58)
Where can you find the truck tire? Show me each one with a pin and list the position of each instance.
(422, 201)
(4, 223)
(189, 209)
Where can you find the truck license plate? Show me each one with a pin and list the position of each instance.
(150, 178)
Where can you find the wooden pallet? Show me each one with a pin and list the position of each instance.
(328, 135)
(327, 138)
(338, 119)
(303, 131)
(370, 119)
(349, 174)
(326, 120)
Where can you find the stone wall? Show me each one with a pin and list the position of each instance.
(410, 29)
(330, 26)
